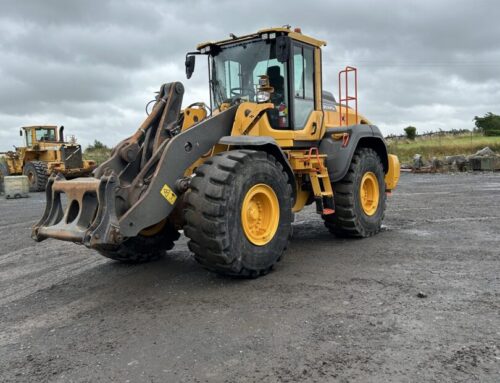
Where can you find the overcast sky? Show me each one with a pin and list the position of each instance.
(93, 65)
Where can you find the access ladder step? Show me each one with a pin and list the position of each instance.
(325, 205)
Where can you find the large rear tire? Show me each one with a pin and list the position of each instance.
(238, 213)
(36, 171)
(144, 248)
(359, 197)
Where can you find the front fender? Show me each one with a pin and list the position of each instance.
(267, 144)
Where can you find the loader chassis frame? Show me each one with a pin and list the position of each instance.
(143, 183)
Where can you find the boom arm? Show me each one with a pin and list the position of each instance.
(137, 186)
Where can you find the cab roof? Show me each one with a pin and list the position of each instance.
(295, 34)
(39, 127)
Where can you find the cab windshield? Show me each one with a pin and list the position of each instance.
(44, 134)
(41, 135)
(235, 72)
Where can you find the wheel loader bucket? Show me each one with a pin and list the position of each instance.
(89, 217)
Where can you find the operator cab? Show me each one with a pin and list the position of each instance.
(287, 60)
(39, 134)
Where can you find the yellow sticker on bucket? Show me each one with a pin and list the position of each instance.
(168, 194)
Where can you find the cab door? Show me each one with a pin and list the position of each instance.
(306, 108)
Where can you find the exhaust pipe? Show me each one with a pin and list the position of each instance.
(61, 133)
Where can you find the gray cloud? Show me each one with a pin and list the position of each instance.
(93, 65)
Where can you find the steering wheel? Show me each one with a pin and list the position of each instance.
(240, 91)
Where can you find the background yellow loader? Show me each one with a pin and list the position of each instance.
(45, 152)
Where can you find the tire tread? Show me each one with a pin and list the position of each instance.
(206, 206)
(345, 222)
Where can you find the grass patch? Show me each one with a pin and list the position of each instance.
(441, 146)
(428, 147)
(98, 155)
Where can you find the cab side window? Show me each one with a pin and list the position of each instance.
(303, 92)
(29, 140)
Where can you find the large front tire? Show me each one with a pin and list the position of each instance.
(36, 171)
(359, 197)
(238, 213)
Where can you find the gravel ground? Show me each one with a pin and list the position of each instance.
(418, 302)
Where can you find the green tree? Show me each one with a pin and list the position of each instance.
(411, 132)
(97, 152)
(97, 145)
(489, 125)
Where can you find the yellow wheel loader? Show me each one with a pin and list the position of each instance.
(232, 175)
(45, 152)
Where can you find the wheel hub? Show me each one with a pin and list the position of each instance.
(260, 214)
(369, 193)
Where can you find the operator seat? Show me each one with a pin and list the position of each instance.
(277, 81)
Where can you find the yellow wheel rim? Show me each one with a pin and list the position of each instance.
(369, 193)
(260, 214)
(154, 229)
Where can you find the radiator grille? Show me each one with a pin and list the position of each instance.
(72, 157)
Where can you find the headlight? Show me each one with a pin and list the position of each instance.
(263, 96)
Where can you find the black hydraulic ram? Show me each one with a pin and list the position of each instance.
(137, 186)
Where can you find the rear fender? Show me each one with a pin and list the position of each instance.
(340, 156)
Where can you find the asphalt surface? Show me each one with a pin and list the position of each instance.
(419, 302)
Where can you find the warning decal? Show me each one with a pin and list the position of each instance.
(168, 194)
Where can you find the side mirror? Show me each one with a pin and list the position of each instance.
(190, 60)
(283, 47)
(20, 132)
